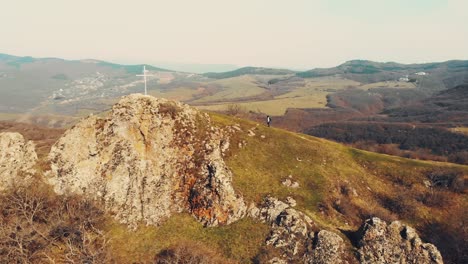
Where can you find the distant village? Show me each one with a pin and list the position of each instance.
(406, 78)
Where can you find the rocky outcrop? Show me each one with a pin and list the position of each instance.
(146, 160)
(329, 248)
(293, 233)
(17, 159)
(300, 241)
(394, 243)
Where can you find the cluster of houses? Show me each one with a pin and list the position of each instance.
(407, 79)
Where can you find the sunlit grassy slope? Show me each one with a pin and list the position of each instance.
(240, 241)
(311, 95)
(275, 107)
(233, 88)
(339, 187)
(462, 130)
(8, 116)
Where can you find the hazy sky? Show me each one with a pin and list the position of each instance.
(278, 33)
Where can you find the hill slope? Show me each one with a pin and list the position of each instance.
(53, 85)
(329, 174)
(18, 61)
(447, 106)
(334, 186)
(437, 76)
(246, 71)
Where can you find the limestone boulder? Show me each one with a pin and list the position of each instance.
(17, 160)
(147, 159)
(394, 243)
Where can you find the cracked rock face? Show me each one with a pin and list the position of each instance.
(394, 243)
(146, 160)
(292, 232)
(17, 159)
(328, 249)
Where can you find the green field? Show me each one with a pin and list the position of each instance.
(275, 107)
(233, 88)
(311, 95)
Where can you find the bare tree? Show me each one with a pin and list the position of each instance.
(39, 227)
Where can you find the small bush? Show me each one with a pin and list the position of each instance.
(235, 110)
(37, 226)
(402, 204)
(345, 207)
(460, 157)
(451, 180)
(458, 184)
(435, 198)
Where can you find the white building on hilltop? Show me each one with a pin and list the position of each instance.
(404, 79)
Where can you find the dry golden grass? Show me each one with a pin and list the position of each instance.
(342, 186)
(8, 116)
(275, 107)
(461, 130)
(178, 94)
(233, 88)
(240, 241)
(311, 95)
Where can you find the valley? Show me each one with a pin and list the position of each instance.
(57, 93)
(77, 88)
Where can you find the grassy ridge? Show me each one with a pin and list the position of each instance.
(341, 186)
(338, 188)
(240, 241)
(328, 174)
(247, 70)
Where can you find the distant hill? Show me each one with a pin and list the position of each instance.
(197, 67)
(44, 87)
(421, 128)
(433, 76)
(447, 106)
(371, 67)
(27, 83)
(247, 70)
(17, 61)
(131, 68)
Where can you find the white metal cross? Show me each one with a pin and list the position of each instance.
(144, 77)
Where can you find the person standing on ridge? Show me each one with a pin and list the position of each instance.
(268, 120)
